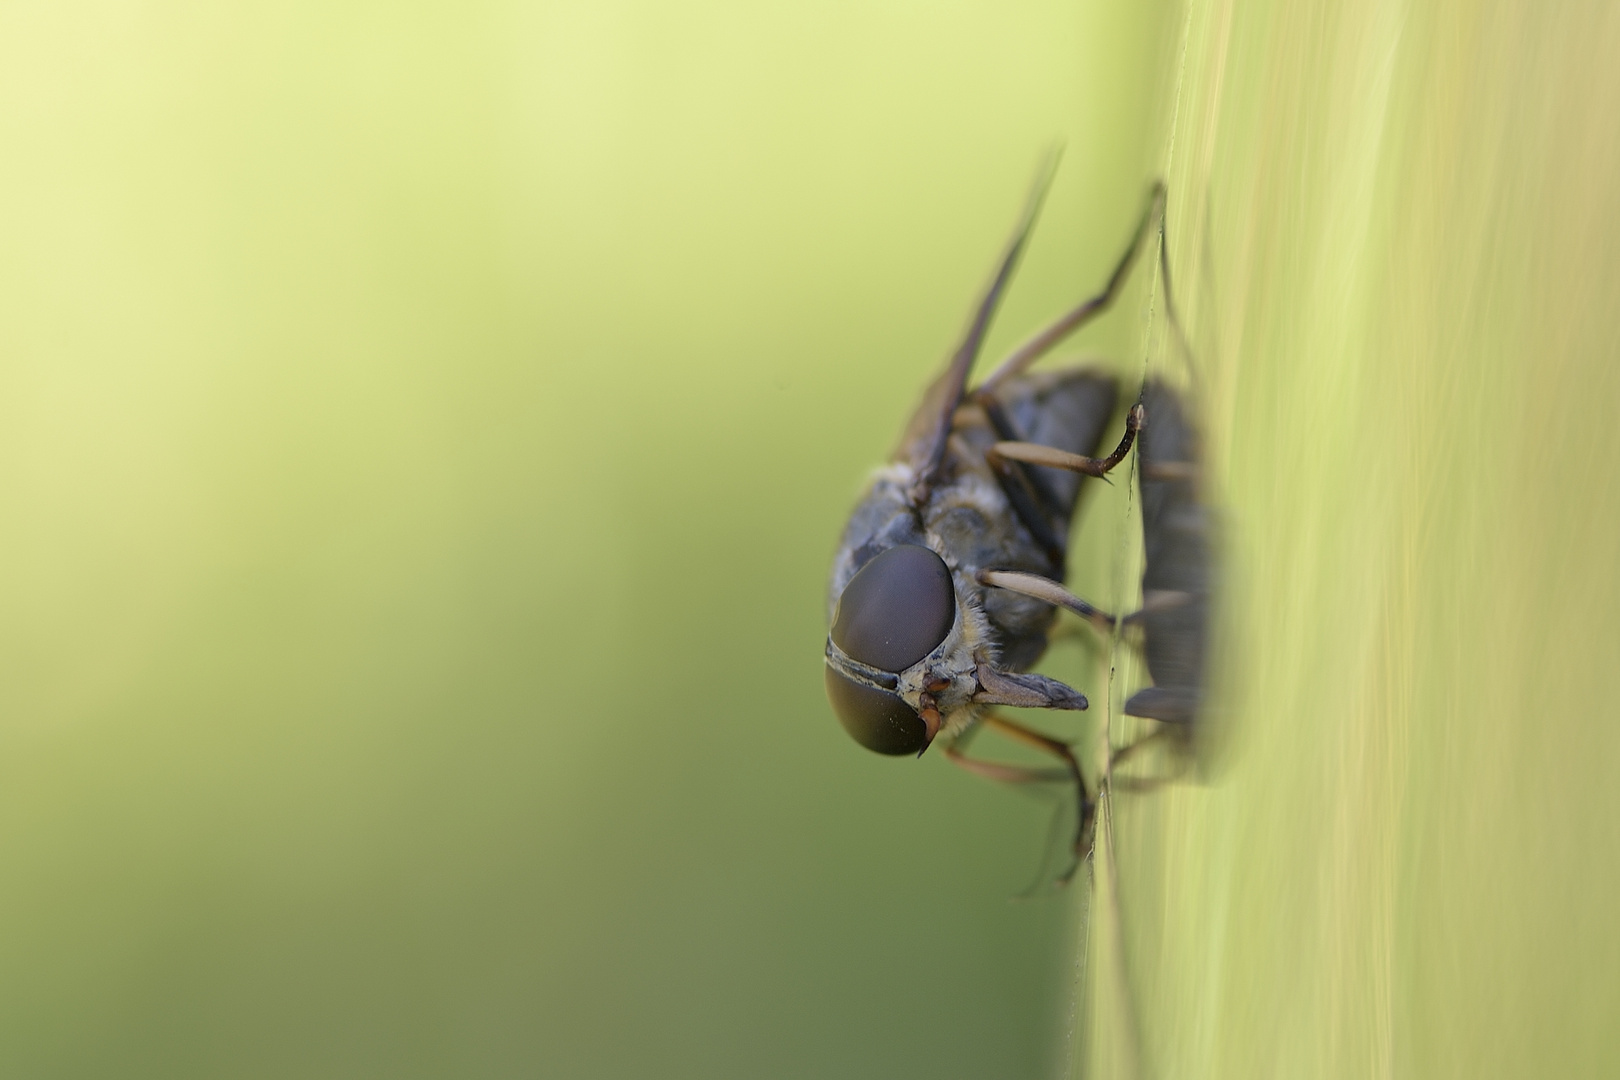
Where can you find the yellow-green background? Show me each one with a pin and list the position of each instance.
(423, 432)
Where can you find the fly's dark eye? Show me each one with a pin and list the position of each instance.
(876, 719)
(896, 609)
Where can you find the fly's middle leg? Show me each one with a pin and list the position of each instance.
(1048, 591)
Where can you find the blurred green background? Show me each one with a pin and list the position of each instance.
(424, 431)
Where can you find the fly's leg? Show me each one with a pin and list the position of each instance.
(1139, 784)
(1124, 753)
(1001, 772)
(1053, 334)
(1036, 454)
(1005, 773)
(1170, 297)
(1157, 601)
(1072, 320)
(1048, 591)
(1168, 705)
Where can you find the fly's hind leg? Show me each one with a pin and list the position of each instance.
(1060, 328)
(1073, 319)
(1018, 774)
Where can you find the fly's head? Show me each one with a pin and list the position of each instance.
(907, 638)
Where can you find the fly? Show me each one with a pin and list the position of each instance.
(949, 573)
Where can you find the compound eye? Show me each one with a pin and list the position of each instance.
(876, 719)
(896, 609)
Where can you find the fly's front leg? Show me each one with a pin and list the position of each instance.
(1000, 771)
(1017, 774)
(1050, 592)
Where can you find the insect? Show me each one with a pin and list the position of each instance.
(949, 573)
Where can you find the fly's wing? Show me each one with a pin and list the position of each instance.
(922, 447)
